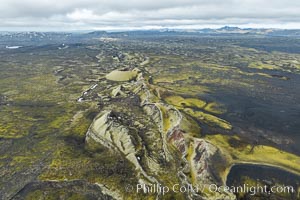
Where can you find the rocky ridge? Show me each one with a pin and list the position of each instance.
(176, 135)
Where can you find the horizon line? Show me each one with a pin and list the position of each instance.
(146, 28)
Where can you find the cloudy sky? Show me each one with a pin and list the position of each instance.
(61, 15)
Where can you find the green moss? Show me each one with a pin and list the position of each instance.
(80, 126)
(54, 194)
(261, 154)
(174, 100)
(70, 162)
(59, 121)
(25, 160)
(10, 130)
(37, 194)
(260, 65)
(167, 120)
(171, 78)
(181, 102)
(209, 119)
(192, 102)
(215, 108)
(189, 125)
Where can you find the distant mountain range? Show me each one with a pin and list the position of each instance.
(261, 31)
(237, 30)
(40, 38)
(226, 30)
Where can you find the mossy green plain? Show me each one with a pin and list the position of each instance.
(43, 125)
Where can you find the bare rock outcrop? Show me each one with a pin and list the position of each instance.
(178, 134)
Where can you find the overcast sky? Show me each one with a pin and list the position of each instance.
(60, 15)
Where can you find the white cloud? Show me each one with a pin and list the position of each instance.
(103, 14)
